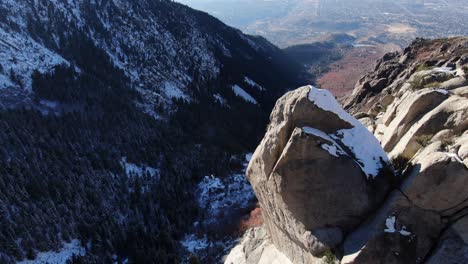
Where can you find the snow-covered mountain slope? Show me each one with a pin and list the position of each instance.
(222, 201)
(111, 112)
(165, 49)
(20, 56)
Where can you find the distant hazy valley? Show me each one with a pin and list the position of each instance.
(290, 22)
(332, 37)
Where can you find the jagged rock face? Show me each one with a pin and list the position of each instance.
(423, 128)
(317, 173)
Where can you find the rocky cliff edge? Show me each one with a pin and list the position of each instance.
(386, 185)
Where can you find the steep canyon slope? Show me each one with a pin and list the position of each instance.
(112, 114)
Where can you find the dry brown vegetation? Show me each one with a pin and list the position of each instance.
(253, 219)
(344, 74)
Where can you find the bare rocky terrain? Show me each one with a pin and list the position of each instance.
(386, 184)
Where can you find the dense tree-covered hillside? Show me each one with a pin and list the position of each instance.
(85, 95)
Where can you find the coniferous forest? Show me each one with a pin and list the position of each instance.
(61, 176)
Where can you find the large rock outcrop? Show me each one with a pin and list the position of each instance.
(422, 124)
(317, 174)
(324, 182)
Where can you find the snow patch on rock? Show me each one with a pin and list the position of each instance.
(390, 227)
(334, 149)
(442, 91)
(351, 257)
(443, 69)
(364, 146)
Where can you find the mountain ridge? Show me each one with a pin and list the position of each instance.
(113, 114)
(142, 41)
